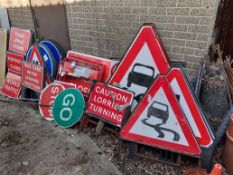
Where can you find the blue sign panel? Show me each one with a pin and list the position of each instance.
(57, 51)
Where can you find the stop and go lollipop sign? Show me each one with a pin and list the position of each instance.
(68, 108)
(47, 98)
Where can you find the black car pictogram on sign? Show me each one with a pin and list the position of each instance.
(140, 78)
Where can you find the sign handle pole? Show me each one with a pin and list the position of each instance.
(99, 127)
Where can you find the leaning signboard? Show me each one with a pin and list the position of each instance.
(11, 86)
(47, 98)
(109, 103)
(145, 59)
(14, 62)
(19, 40)
(32, 76)
(158, 121)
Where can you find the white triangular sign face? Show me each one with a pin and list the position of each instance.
(145, 59)
(189, 105)
(158, 121)
(35, 56)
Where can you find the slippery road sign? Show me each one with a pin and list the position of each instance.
(158, 121)
(190, 107)
(145, 59)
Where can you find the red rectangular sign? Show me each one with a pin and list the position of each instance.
(32, 76)
(14, 62)
(19, 40)
(109, 103)
(12, 85)
(81, 72)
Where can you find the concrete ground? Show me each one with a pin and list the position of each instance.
(30, 145)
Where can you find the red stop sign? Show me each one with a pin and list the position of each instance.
(47, 98)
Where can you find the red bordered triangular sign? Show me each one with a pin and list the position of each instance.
(189, 105)
(36, 58)
(145, 59)
(158, 121)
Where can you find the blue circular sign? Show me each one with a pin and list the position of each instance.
(49, 60)
(55, 49)
(29, 54)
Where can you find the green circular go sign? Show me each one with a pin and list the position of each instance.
(68, 108)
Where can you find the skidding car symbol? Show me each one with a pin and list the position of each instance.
(161, 113)
(159, 110)
(139, 78)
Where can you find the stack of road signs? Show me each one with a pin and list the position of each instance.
(50, 57)
(48, 96)
(3, 48)
(18, 45)
(168, 116)
(82, 69)
(34, 56)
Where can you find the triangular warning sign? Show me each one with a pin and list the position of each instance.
(158, 121)
(36, 58)
(145, 59)
(190, 107)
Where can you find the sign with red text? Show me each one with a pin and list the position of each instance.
(19, 40)
(47, 98)
(32, 76)
(14, 62)
(12, 85)
(158, 121)
(109, 103)
(189, 105)
(145, 59)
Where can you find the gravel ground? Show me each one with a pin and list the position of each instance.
(38, 150)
